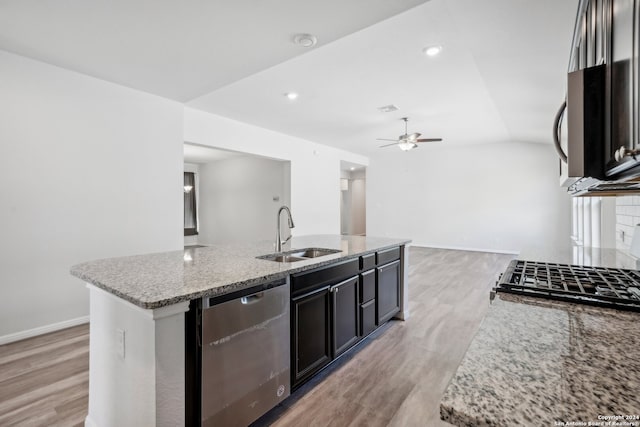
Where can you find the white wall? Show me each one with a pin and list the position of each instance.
(500, 197)
(88, 170)
(353, 203)
(358, 189)
(315, 168)
(237, 199)
(627, 216)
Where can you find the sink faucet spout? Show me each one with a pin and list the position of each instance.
(279, 241)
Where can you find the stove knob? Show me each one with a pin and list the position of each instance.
(623, 152)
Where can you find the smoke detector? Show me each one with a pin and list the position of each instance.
(305, 40)
(388, 108)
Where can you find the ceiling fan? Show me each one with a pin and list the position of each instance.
(407, 141)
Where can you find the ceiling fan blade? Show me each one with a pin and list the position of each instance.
(388, 145)
(385, 139)
(428, 140)
(413, 136)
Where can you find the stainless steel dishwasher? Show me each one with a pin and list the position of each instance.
(245, 354)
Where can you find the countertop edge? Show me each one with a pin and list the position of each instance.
(224, 289)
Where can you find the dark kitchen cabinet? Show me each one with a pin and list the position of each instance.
(367, 286)
(345, 315)
(388, 291)
(335, 306)
(368, 318)
(311, 333)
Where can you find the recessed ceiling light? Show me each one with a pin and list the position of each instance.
(305, 40)
(352, 168)
(432, 50)
(291, 95)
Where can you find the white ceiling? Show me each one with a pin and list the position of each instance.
(178, 49)
(500, 77)
(200, 155)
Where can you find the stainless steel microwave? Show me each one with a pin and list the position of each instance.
(598, 160)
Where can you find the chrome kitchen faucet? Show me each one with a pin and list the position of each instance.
(279, 241)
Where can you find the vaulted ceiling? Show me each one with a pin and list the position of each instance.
(500, 76)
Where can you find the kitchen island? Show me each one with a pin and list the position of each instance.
(138, 305)
(543, 362)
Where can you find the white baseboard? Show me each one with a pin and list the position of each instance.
(6, 339)
(458, 248)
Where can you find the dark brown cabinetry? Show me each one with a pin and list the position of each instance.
(311, 333)
(368, 320)
(388, 291)
(336, 306)
(345, 315)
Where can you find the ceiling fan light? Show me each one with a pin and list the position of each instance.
(406, 146)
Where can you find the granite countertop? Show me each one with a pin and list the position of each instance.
(547, 363)
(161, 279)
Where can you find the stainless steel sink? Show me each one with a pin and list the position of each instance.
(285, 258)
(314, 253)
(299, 255)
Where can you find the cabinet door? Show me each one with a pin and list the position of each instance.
(346, 304)
(310, 346)
(388, 291)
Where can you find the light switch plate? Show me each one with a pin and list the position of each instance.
(120, 342)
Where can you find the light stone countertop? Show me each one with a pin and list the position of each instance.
(540, 362)
(161, 279)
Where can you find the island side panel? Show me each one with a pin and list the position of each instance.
(170, 363)
(404, 283)
(144, 385)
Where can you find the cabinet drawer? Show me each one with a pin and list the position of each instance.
(367, 286)
(308, 281)
(386, 256)
(367, 262)
(368, 318)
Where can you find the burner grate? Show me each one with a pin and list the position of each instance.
(598, 285)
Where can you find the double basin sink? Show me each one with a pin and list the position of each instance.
(299, 255)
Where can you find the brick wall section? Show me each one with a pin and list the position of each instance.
(627, 216)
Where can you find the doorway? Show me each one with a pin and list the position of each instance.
(353, 206)
(237, 195)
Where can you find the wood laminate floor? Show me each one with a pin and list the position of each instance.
(44, 381)
(397, 375)
(393, 378)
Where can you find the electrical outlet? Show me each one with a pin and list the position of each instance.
(120, 342)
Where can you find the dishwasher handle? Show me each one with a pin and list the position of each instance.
(252, 299)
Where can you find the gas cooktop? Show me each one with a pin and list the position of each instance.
(609, 287)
